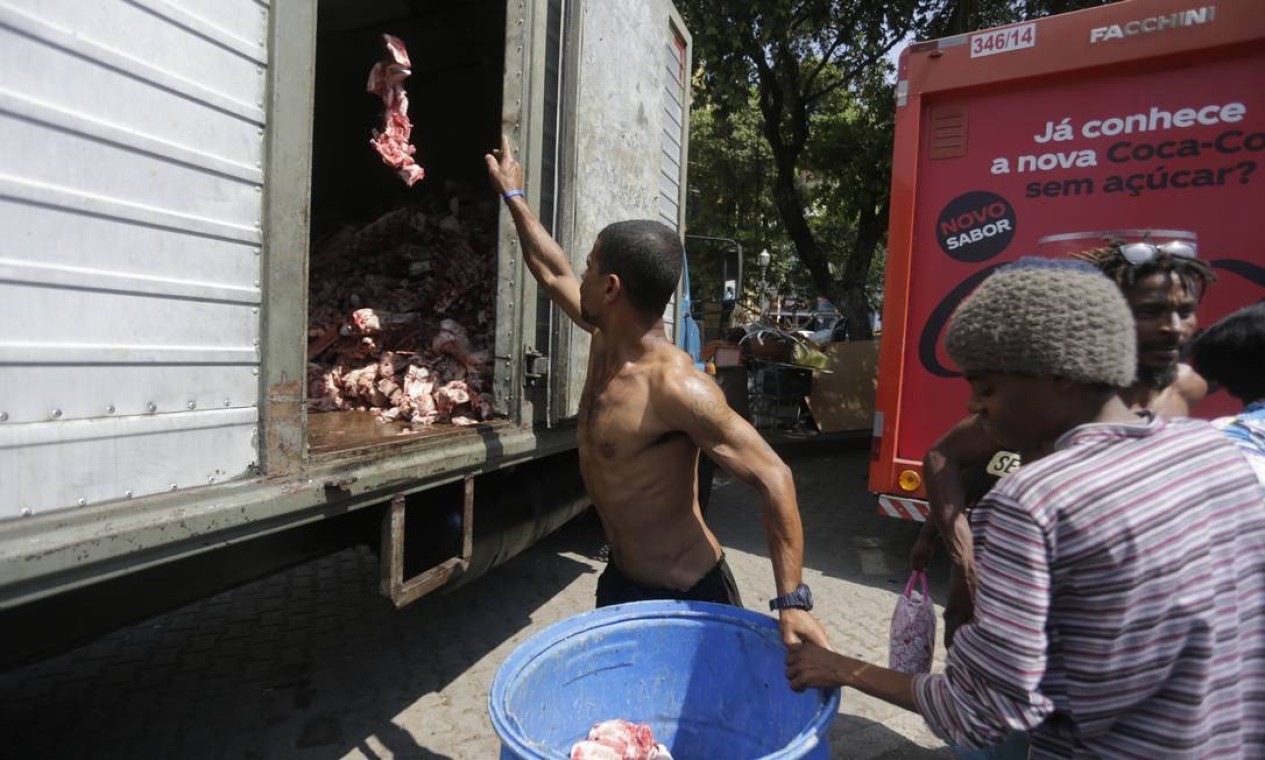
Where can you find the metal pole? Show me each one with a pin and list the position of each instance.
(765, 305)
(732, 242)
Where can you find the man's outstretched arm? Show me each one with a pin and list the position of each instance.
(698, 406)
(811, 666)
(545, 258)
(991, 685)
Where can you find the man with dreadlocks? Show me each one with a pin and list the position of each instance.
(1163, 285)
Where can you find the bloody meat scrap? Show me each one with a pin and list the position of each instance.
(619, 740)
(402, 314)
(386, 80)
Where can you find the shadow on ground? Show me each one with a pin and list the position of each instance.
(854, 736)
(311, 662)
(844, 536)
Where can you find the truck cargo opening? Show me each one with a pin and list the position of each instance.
(401, 298)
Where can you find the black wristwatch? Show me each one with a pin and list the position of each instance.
(801, 599)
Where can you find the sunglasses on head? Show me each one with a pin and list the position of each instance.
(1141, 253)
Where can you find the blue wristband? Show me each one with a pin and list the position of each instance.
(512, 193)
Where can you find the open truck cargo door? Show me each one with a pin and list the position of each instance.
(418, 256)
(630, 102)
(1042, 138)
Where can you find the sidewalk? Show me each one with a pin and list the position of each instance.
(799, 443)
(313, 663)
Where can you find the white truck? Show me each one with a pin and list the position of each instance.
(167, 167)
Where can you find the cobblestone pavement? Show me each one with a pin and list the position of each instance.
(313, 663)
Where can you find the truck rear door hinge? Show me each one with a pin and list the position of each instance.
(535, 367)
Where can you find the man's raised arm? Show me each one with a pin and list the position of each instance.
(545, 258)
(698, 406)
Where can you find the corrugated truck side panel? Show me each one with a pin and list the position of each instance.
(130, 278)
(629, 161)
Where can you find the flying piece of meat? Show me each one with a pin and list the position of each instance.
(386, 80)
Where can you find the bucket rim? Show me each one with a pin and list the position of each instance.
(510, 733)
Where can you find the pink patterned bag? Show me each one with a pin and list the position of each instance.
(913, 634)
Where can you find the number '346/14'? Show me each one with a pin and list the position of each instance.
(1003, 40)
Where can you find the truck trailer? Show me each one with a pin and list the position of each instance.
(1134, 120)
(188, 195)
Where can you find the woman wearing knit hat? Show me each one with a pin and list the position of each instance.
(1121, 602)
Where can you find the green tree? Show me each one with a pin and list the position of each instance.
(809, 66)
(730, 167)
(814, 79)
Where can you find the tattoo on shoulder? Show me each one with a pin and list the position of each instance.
(713, 411)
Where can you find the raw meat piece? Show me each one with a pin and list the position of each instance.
(323, 392)
(418, 382)
(386, 80)
(619, 740)
(419, 389)
(371, 322)
(587, 750)
(451, 396)
(452, 340)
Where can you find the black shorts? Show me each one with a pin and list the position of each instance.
(613, 587)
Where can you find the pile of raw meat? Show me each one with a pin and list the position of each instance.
(402, 314)
(619, 740)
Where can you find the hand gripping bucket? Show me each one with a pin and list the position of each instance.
(709, 679)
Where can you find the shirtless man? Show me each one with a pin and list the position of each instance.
(1163, 285)
(644, 415)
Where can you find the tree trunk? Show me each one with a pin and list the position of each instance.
(849, 292)
(786, 149)
(790, 206)
(786, 131)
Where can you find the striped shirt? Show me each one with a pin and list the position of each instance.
(1121, 603)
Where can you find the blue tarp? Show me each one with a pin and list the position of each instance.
(687, 334)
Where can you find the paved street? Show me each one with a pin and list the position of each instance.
(313, 663)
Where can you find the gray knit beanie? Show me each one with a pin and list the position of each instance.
(1047, 318)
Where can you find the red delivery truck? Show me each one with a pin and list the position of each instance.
(1137, 119)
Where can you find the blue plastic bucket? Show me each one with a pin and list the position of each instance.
(708, 678)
